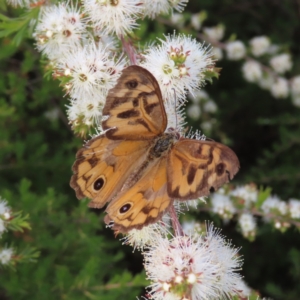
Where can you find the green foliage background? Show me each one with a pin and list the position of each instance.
(80, 259)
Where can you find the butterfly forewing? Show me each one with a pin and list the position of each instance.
(134, 107)
(102, 167)
(197, 167)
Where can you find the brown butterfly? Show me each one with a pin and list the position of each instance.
(138, 167)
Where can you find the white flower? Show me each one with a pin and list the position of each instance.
(259, 45)
(4, 208)
(235, 50)
(215, 33)
(273, 203)
(294, 208)
(194, 111)
(266, 81)
(91, 72)
(192, 266)
(178, 5)
(6, 255)
(178, 64)
(178, 20)
(248, 193)
(217, 53)
(196, 20)
(248, 224)
(222, 205)
(141, 238)
(281, 63)
(59, 29)
(156, 7)
(189, 227)
(295, 85)
(252, 71)
(114, 16)
(280, 88)
(199, 95)
(210, 106)
(208, 125)
(153, 8)
(296, 100)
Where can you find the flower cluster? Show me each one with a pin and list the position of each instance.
(194, 267)
(246, 203)
(5, 215)
(202, 107)
(264, 64)
(80, 43)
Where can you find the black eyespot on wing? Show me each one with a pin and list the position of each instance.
(211, 190)
(98, 184)
(124, 208)
(220, 169)
(132, 84)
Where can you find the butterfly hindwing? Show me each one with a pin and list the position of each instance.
(144, 202)
(134, 108)
(197, 167)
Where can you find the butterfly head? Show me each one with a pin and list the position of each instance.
(174, 132)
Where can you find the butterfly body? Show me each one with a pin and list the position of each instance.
(137, 166)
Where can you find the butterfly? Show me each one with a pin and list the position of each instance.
(139, 167)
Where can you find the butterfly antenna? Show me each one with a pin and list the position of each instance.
(175, 104)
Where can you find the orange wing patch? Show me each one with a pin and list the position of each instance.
(197, 167)
(134, 107)
(102, 167)
(143, 203)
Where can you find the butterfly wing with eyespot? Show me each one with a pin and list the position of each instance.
(144, 202)
(103, 165)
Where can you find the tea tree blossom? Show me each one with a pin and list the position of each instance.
(6, 255)
(252, 71)
(235, 50)
(217, 53)
(259, 45)
(266, 81)
(193, 267)
(222, 205)
(248, 194)
(294, 208)
(88, 72)
(214, 33)
(281, 63)
(141, 238)
(153, 8)
(178, 64)
(194, 111)
(280, 88)
(5, 210)
(117, 17)
(275, 205)
(247, 224)
(295, 85)
(59, 29)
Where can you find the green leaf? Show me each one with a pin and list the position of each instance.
(263, 194)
